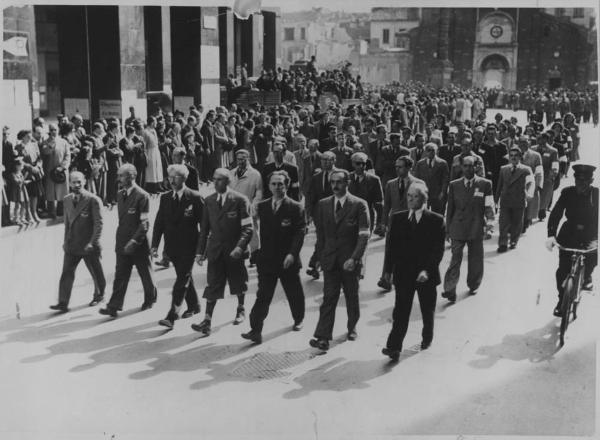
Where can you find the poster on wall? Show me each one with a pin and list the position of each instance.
(75, 106)
(110, 108)
(183, 103)
(209, 67)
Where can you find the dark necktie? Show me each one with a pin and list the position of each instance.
(124, 193)
(220, 201)
(468, 184)
(275, 207)
(325, 180)
(514, 168)
(176, 199)
(338, 207)
(402, 189)
(413, 220)
(75, 200)
(431, 163)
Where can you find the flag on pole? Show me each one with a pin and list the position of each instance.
(243, 9)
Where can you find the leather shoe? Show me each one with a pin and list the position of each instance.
(240, 316)
(392, 354)
(109, 311)
(501, 249)
(203, 327)
(167, 323)
(557, 310)
(253, 336)
(384, 284)
(352, 335)
(190, 312)
(63, 308)
(321, 344)
(147, 306)
(314, 273)
(163, 263)
(449, 296)
(512, 245)
(425, 345)
(96, 300)
(298, 326)
(587, 285)
(472, 291)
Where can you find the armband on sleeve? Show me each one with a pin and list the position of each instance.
(489, 201)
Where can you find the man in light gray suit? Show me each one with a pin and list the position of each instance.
(83, 227)
(515, 185)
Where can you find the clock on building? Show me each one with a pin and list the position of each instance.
(496, 31)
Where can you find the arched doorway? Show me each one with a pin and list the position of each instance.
(494, 70)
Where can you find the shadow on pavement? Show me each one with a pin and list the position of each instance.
(534, 346)
(9, 324)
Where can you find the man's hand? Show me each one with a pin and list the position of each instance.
(349, 265)
(130, 247)
(236, 253)
(154, 252)
(200, 259)
(88, 247)
(422, 277)
(289, 260)
(550, 243)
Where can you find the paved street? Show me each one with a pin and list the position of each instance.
(494, 367)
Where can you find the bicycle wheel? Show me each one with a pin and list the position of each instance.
(567, 302)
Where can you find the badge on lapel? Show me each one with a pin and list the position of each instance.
(84, 214)
(286, 222)
(189, 211)
(478, 193)
(131, 211)
(232, 214)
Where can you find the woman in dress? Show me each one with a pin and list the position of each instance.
(154, 174)
(57, 158)
(32, 163)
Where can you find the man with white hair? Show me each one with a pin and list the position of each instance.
(224, 236)
(178, 219)
(131, 244)
(83, 227)
(413, 252)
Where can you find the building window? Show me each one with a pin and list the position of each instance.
(303, 33)
(402, 42)
(386, 36)
(288, 34)
(577, 12)
(560, 12)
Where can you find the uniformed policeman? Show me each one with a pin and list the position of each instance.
(579, 203)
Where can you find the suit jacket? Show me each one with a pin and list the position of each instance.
(511, 187)
(343, 157)
(292, 170)
(192, 180)
(317, 191)
(226, 228)
(369, 189)
(179, 223)
(306, 167)
(133, 220)
(456, 168)
(392, 201)
(468, 208)
(436, 178)
(581, 212)
(408, 251)
(83, 223)
(282, 233)
(342, 236)
(416, 155)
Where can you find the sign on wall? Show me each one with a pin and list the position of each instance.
(75, 106)
(183, 103)
(110, 108)
(209, 64)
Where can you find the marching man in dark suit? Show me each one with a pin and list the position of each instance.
(470, 211)
(435, 173)
(366, 186)
(342, 224)
(224, 236)
(413, 251)
(131, 244)
(178, 219)
(278, 164)
(83, 227)
(282, 222)
(515, 187)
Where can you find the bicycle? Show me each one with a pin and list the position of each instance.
(572, 288)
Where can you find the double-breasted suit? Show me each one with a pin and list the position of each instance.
(282, 234)
(342, 234)
(514, 184)
(225, 227)
(395, 196)
(435, 173)
(133, 206)
(470, 203)
(412, 247)
(178, 219)
(83, 226)
(368, 188)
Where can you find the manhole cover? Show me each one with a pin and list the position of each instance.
(271, 365)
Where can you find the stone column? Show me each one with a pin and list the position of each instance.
(20, 79)
(441, 68)
(210, 92)
(165, 13)
(257, 43)
(133, 60)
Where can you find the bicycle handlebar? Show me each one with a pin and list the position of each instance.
(578, 251)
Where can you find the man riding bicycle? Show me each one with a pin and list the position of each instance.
(579, 203)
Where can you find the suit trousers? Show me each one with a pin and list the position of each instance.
(474, 268)
(334, 280)
(510, 224)
(225, 270)
(184, 283)
(405, 293)
(70, 263)
(564, 268)
(123, 269)
(267, 281)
